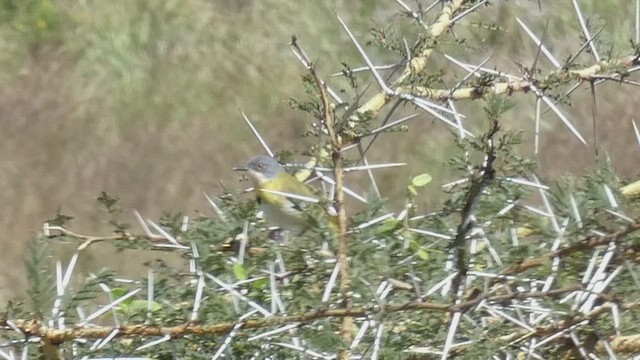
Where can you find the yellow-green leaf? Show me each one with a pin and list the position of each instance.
(421, 180)
(387, 225)
(422, 254)
(260, 284)
(120, 292)
(140, 306)
(239, 271)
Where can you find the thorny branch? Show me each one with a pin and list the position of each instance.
(417, 64)
(586, 244)
(478, 185)
(620, 344)
(335, 139)
(88, 240)
(35, 328)
(514, 85)
(57, 336)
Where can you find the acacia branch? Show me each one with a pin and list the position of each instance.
(620, 344)
(335, 139)
(34, 327)
(417, 64)
(478, 186)
(585, 244)
(88, 240)
(518, 85)
(55, 337)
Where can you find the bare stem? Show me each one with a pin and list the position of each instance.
(346, 330)
(59, 336)
(583, 245)
(55, 337)
(473, 198)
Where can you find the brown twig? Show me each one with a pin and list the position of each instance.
(346, 330)
(590, 73)
(88, 240)
(620, 344)
(478, 185)
(58, 336)
(586, 244)
(54, 337)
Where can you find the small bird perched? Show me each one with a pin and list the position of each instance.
(279, 194)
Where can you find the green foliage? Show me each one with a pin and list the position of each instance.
(41, 280)
(38, 21)
(134, 310)
(298, 271)
(114, 211)
(88, 292)
(313, 106)
(59, 219)
(496, 106)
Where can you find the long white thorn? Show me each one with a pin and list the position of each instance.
(544, 49)
(372, 68)
(257, 134)
(635, 128)
(585, 30)
(560, 115)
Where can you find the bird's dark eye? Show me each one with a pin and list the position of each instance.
(261, 165)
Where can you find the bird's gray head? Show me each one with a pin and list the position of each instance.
(263, 168)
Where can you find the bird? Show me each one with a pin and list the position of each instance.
(280, 195)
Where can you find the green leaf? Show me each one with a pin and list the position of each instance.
(412, 190)
(140, 306)
(387, 225)
(260, 284)
(421, 180)
(239, 271)
(422, 254)
(136, 307)
(414, 245)
(120, 292)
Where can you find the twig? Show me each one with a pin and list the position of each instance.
(338, 173)
(586, 244)
(473, 198)
(514, 84)
(415, 65)
(37, 328)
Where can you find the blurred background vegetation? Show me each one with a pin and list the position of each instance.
(142, 99)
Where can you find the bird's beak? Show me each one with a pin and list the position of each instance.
(240, 169)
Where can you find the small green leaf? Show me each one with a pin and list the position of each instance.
(140, 306)
(120, 292)
(422, 254)
(421, 180)
(414, 245)
(387, 225)
(412, 190)
(260, 284)
(239, 271)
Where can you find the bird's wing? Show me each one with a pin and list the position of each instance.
(290, 204)
(303, 189)
(288, 185)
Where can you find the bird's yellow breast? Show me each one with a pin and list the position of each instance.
(279, 210)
